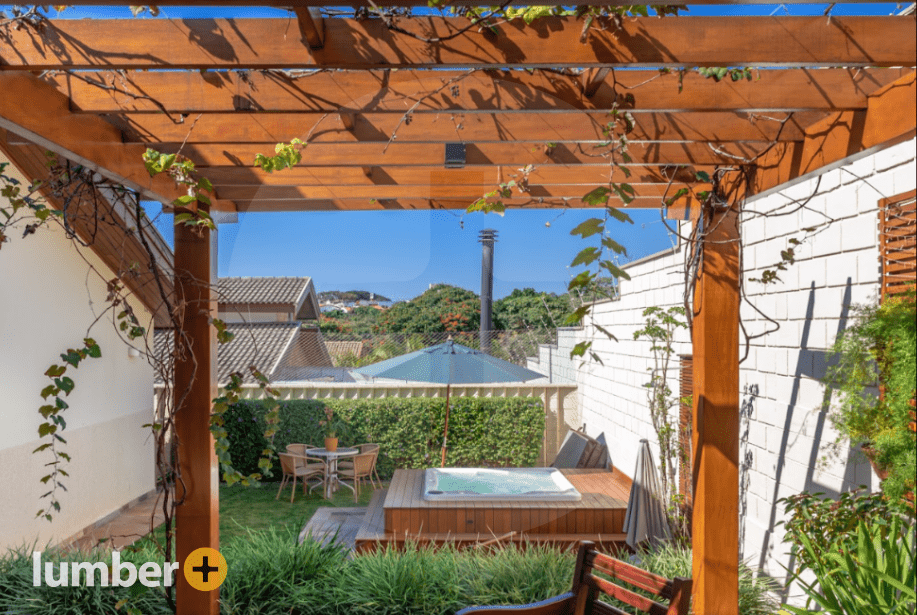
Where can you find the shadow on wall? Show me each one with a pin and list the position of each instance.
(811, 363)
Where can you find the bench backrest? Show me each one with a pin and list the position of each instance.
(586, 585)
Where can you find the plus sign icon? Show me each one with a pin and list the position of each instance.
(205, 569)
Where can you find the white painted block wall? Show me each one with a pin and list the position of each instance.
(48, 299)
(784, 432)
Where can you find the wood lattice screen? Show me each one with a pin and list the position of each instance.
(898, 243)
(686, 365)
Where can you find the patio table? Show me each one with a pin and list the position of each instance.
(331, 457)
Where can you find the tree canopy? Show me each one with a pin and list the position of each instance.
(442, 308)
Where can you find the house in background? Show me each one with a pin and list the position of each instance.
(268, 299)
(50, 299)
(349, 349)
(264, 314)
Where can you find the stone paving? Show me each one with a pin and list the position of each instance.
(122, 528)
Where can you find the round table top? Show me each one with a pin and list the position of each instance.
(341, 452)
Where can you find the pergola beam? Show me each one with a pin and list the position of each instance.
(476, 154)
(311, 26)
(36, 111)
(303, 193)
(287, 4)
(437, 175)
(271, 128)
(852, 41)
(507, 91)
(891, 116)
(445, 202)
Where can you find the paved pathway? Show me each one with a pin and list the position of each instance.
(328, 520)
(122, 528)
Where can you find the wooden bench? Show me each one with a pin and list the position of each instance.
(583, 598)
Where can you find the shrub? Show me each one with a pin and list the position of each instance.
(671, 560)
(482, 431)
(19, 597)
(873, 576)
(513, 575)
(830, 525)
(880, 347)
(270, 573)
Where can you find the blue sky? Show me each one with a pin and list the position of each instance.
(399, 254)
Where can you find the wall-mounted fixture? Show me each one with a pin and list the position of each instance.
(455, 155)
(132, 352)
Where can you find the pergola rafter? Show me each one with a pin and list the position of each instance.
(366, 44)
(222, 90)
(506, 91)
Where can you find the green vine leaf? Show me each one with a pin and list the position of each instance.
(587, 256)
(589, 227)
(287, 155)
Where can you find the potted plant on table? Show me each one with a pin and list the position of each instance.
(332, 425)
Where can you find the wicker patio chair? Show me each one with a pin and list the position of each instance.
(583, 598)
(365, 448)
(299, 449)
(315, 463)
(295, 467)
(362, 468)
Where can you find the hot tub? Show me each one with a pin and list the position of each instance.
(510, 484)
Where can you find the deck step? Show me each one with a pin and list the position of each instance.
(373, 526)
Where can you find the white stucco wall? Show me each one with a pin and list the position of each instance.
(47, 302)
(784, 432)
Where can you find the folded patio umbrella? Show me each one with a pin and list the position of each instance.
(645, 519)
(448, 363)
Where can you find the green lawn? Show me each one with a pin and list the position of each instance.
(254, 508)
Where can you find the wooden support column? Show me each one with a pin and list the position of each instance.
(197, 518)
(715, 522)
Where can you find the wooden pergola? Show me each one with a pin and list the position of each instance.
(377, 105)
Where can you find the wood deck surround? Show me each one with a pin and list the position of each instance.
(601, 510)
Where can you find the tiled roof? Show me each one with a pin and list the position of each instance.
(298, 293)
(343, 349)
(306, 350)
(259, 344)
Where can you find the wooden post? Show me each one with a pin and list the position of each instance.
(716, 420)
(197, 518)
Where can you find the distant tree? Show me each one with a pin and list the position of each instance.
(329, 324)
(439, 309)
(529, 309)
(363, 320)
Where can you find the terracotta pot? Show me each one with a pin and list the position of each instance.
(331, 444)
(870, 453)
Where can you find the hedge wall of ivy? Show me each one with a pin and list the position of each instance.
(483, 432)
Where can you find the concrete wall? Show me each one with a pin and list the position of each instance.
(784, 431)
(47, 302)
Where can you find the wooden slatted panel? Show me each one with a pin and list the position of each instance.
(898, 243)
(686, 392)
(624, 595)
(643, 579)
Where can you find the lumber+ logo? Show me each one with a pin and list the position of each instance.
(205, 570)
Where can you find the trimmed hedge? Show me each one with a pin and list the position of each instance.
(483, 432)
